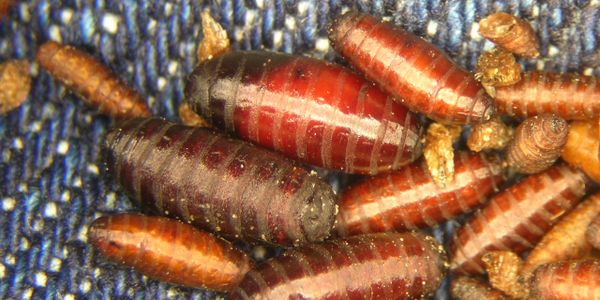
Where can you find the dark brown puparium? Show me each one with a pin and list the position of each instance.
(220, 184)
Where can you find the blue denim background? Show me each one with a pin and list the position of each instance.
(52, 180)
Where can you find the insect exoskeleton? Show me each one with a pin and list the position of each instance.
(569, 96)
(94, 82)
(169, 250)
(409, 199)
(221, 184)
(307, 109)
(518, 217)
(372, 266)
(412, 69)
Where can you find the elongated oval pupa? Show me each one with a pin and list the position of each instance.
(567, 280)
(537, 144)
(518, 217)
(371, 266)
(411, 69)
(169, 250)
(224, 185)
(94, 82)
(569, 96)
(567, 239)
(308, 109)
(409, 199)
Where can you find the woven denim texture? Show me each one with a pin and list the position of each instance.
(52, 179)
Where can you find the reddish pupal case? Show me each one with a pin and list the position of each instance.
(518, 217)
(307, 109)
(411, 69)
(567, 280)
(169, 250)
(409, 199)
(372, 266)
(569, 96)
(221, 184)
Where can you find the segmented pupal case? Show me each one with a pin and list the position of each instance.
(224, 185)
(169, 250)
(371, 266)
(566, 240)
(569, 96)
(511, 33)
(518, 217)
(94, 82)
(537, 144)
(409, 199)
(412, 69)
(567, 280)
(307, 109)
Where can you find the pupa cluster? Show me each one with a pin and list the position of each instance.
(256, 120)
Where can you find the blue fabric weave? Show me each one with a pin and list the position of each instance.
(52, 178)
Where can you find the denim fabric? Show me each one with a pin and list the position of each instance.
(52, 179)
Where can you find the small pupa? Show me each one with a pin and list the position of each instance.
(538, 143)
(15, 84)
(512, 33)
(97, 85)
